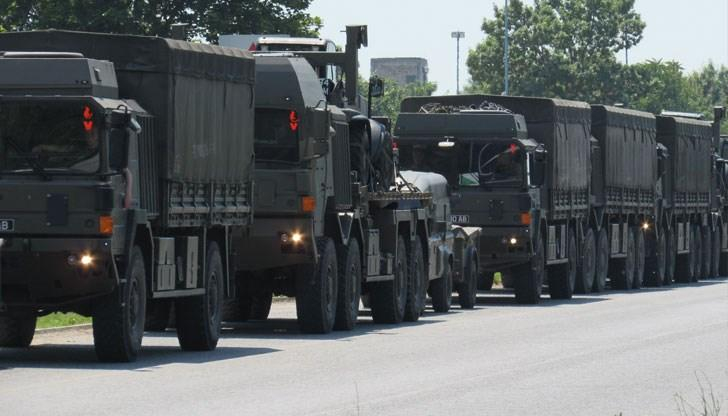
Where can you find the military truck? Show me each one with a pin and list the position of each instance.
(125, 174)
(332, 223)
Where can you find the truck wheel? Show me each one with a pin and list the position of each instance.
(255, 307)
(17, 331)
(623, 271)
(561, 282)
(316, 291)
(587, 264)
(441, 291)
(655, 264)
(118, 318)
(468, 288)
(602, 261)
(507, 279)
(485, 281)
(417, 284)
(530, 277)
(685, 264)
(199, 317)
(388, 299)
(715, 254)
(158, 311)
(698, 258)
(349, 268)
(639, 260)
(707, 254)
(670, 256)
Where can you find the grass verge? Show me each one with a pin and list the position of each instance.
(56, 320)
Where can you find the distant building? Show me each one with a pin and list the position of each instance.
(402, 70)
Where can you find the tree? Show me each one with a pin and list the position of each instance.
(206, 18)
(388, 104)
(559, 48)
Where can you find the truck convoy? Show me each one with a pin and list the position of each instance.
(334, 220)
(125, 176)
(570, 194)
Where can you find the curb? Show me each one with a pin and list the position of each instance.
(61, 328)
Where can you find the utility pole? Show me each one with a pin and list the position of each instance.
(457, 36)
(505, 52)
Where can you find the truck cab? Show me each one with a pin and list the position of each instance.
(493, 169)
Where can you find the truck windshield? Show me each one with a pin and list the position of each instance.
(468, 164)
(38, 137)
(276, 137)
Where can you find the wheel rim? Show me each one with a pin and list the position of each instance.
(354, 303)
(572, 263)
(602, 261)
(537, 266)
(330, 293)
(134, 305)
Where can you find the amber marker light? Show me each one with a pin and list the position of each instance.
(308, 204)
(106, 225)
(525, 218)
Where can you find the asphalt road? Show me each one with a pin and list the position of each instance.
(619, 352)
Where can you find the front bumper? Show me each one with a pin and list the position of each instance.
(497, 248)
(264, 248)
(43, 272)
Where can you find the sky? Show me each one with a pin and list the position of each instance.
(693, 32)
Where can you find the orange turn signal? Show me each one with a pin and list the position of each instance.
(106, 225)
(308, 204)
(525, 218)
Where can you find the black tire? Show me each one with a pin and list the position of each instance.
(259, 306)
(602, 262)
(639, 260)
(349, 286)
(468, 288)
(158, 313)
(199, 317)
(622, 274)
(441, 291)
(587, 264)
(316, 290)
(563, 279)
(416, 284)
(388, 299)
(485, 281)
(670, 257)
(698, 263)
(655, 263)
(17, 331)
(685, 264)
(118, 318)
(707, 254)
(530, 277)
(508, 279)
(715, 254)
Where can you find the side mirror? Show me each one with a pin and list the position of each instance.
(119, 122)
(316, 133)
(327, 85)
(538, 167)
(376, 87)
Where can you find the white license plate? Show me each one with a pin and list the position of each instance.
(7, 225)
(460, 219)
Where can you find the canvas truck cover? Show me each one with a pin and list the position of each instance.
(563, 127)
(689, 143)
(200, 95)
(629, 151)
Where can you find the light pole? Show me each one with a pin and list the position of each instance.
(457, 36)
(505, 52)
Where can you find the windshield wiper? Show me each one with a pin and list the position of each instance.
(30, 158)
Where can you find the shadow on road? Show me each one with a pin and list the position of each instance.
(288, 328)
(82, 357)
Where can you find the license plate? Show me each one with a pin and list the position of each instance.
(7, 225)
(460, 219)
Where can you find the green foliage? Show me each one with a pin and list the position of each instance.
(206, 18)
(558, 48)
(57, 320)
(388, 104)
